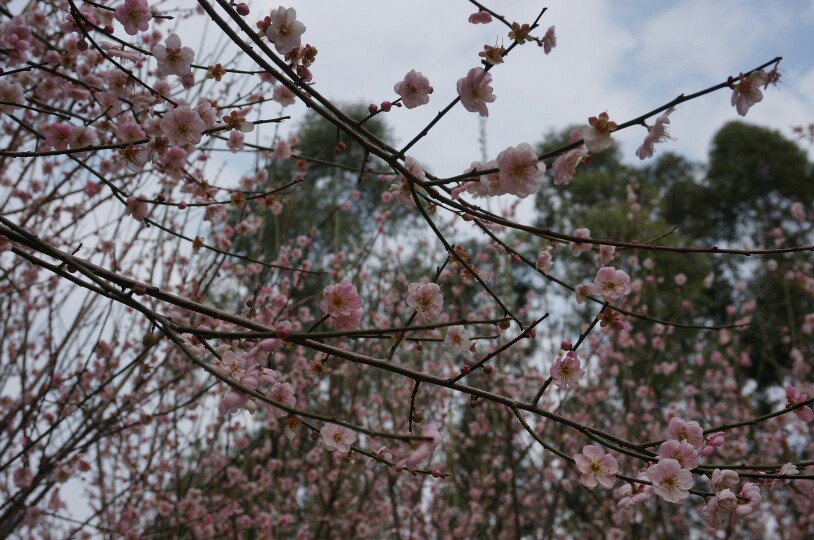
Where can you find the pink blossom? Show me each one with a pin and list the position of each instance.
(797, 209)
(236, 141)
(172, 58)
(596, 135)
(387, 456)
(215, 213)
(58, 135)
(208, 113)
(746, 92)
(606, 254)
(285, 30)
(350, 321)
(655, 134)
(134, 15)
(283, 95)
(612, 283)
(583, 292)
(634, 494)
(723, 477)
(596, 467)
(84, 136)
(426, 299)
(670, 481)
(549, 40)
(544, 262)
(182, 126)
(23, 477)
(808, 323)
(282, 150)
(340, 299)
(10, 92)
(683, 452)
(480, 17)
(457, 339)
(337, 438)
(282, 393)
(475, 92)
(686, 431)
(718, 510)
(136, 208)
(414, 90)
(793, 397)
(5, 244)
(520, 170)
(567, 371)
(424, 450)
(578, 248)
(565, 166)
(751, 492)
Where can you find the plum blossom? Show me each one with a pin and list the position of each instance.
(596, 467)
(424, 450)
(544, 262)
(670, 481)
(724, 477)
(634, 494)
(5, 244)
(350, 321)
(340, 299)
(583, 291)
(172, 58)
(283, 96)
(797, 209)
(337, 438)
(578, 248)
(282, 393)
(285, 31)
(59, 135)
(793, 397)
(683, 452)
(134, 15)
(475, 92)
(750, 492)
(457, 339)
(808, 323)
(414, 90)
(655, 134)
(182, 126)
(718, 509)
(565, 166)
(426, 299)
(567, 371)
(520, 171)
(747, 90)
(10, 92)
(612, 283)
(686, 431)
(382, 453)
(480, 17)
(596, 135)
(136, 209)
(606, 254)
(549, 40)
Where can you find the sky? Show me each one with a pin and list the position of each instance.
(625, 58)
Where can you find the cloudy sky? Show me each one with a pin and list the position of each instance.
(623, 57)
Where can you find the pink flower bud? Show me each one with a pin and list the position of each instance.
(565, 345)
